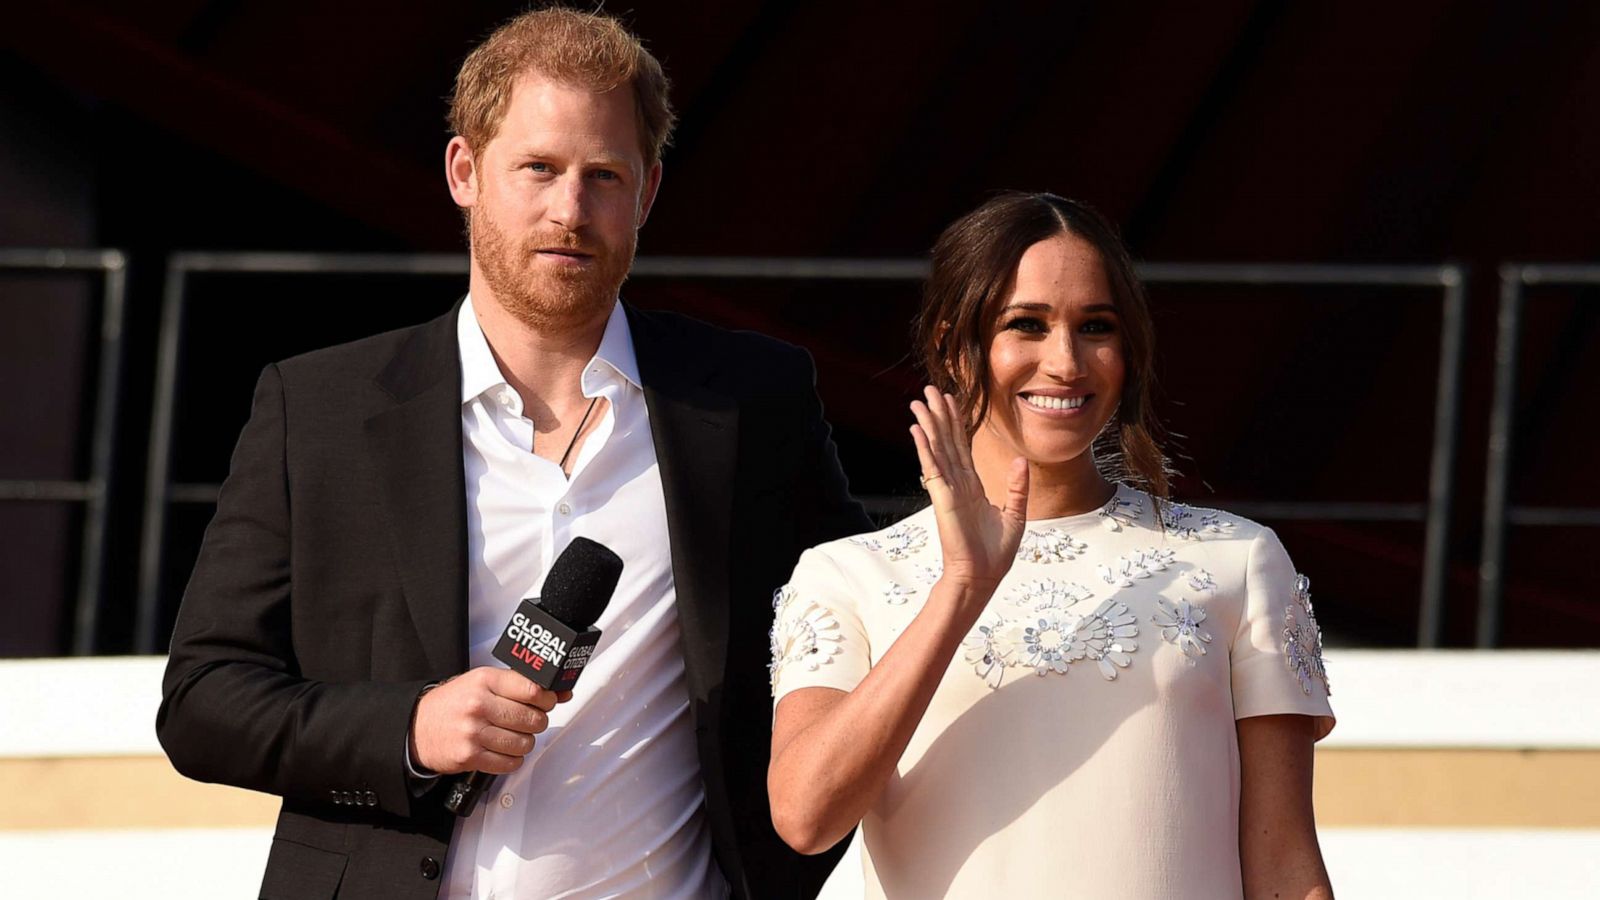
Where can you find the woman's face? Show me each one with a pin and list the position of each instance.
(1055, 360)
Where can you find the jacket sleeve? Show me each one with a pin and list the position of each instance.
(826, 510)
(235, 707)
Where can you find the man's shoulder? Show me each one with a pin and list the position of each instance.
(746, 352)
(363, 357)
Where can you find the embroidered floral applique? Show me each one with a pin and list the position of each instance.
(988, 651)
(896, 594)
(1052, 545)
(1201, 580)
(1191, 524)
(1120, 511)
(1302, 639)
(897, 543)
(1180, 625)
(1142, 564)
(929, 574)
(1058, 638)
(803, 633)
(1036, 596)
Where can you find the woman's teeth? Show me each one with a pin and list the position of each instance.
(1053, 402)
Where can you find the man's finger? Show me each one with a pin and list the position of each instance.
(499, 740)
(512, 686)
(519, 717)
(495, 763)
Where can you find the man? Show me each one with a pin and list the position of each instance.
(391, 500)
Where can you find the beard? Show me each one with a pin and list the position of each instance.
(543, 296)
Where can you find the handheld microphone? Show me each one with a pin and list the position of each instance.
(550, 639)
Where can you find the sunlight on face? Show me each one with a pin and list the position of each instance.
(1056, 367)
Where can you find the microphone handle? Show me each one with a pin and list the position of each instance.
(465, 791)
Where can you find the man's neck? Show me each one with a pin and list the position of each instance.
(543, 365)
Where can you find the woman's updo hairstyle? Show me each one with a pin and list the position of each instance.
(974, 264)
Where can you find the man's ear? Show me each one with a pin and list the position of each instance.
(647, 199)
(461, 172)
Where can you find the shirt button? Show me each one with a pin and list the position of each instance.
(430, 868)
(564, 508)
(506, 800)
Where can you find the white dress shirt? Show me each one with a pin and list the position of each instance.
(610, 801)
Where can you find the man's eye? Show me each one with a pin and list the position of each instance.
(605, 175)
(539, 166)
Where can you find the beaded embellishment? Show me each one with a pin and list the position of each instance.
(1180, 625)
(803, 634)
(897, 543)
(1142, 564)
(1052, 545)
(1302, 639)
(1119, 511)
(1191, 524)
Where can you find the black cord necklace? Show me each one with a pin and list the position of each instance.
(574, 442)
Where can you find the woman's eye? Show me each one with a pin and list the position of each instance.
(1099, 326)
(1026, 325)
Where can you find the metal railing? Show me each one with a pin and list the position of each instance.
(1435, 513)
(94, 493)
(1498, 513)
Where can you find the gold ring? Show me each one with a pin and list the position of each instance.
(926, 478)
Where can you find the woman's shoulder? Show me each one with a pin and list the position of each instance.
(909, 542)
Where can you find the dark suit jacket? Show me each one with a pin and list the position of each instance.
(332, 585)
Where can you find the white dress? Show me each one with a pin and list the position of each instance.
(1082, 741)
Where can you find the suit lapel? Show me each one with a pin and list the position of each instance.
(415, 450)
(695, 431)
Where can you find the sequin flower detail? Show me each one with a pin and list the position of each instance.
(1302, 639)
(1201, 580)
(1037, 596)
(1190, 524)
(897, 543)
(1052, 545)
(1140, 565)
(803, 634)
(896, 594)
(988, 652)
(1057, 639)
(929, 574)
(1180, 625)
(1119, 511)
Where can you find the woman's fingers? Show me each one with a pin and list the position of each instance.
(958, 433)
(938, 452)
(1017, 492)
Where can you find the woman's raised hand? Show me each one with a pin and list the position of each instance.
(979, 540)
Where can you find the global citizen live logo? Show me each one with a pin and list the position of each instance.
(536, 645)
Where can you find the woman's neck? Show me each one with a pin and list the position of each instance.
(1068, 488)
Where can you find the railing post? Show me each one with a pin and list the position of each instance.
(1441, 473)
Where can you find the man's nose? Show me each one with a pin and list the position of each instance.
(569, 207)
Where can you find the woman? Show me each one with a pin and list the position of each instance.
(1048, 683)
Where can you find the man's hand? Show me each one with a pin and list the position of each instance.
(482, 720)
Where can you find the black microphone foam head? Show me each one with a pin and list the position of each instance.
(580, 583)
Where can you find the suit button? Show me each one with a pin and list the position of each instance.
(430, 868)
(372, 799)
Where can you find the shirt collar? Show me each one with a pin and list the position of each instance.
(480, 373)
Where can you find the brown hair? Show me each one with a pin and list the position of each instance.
(974, 265)
(590, 50)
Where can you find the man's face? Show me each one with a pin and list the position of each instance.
(556, 199)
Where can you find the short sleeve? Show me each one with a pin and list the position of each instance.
(1277, 651)
(817, 636)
